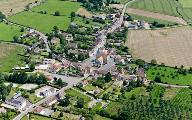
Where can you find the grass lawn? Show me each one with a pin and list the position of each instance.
(151, 20)
(83, 22)
(98, 117)
(33, 98)
(66, 116)
(7, 32)
(183, 98)
(12, 114)
(39, 117)
(46, 22)
(170, 93)
(9, 56)
(136, 91)
(169, 75)
(74, 93)
(89, 87)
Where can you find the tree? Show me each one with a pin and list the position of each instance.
(65, 102)
(106, 96)
(57, 13)
(140, 62)
(60, 82)
(153, 61)
(72, 16)
(15, 38)
(157, 79)
(61, 114)
(22, 29)
(32, 66)
(80, 102)
(2, 16)
(108, 77)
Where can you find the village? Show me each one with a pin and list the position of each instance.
(83, 71)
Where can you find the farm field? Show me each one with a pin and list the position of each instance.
(168, 7)
(157, 16)
(169, 46)
(15, 5)
(183, 98)
(151, 20)
(9, 56)
(186, 3)
(170, 93)
(7, 32)
(46, 22)
(169, 75)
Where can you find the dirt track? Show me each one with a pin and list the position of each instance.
(170, 46)
(156, 16)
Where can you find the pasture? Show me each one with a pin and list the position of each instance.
(168, 7)
(46, 22)
(15, 5)
(168, 75)
(170, 46)
(7, 32)
(9, 56)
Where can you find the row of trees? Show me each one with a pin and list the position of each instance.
(22, 78)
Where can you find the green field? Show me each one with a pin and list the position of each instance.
(169, 7)
(156, 93)
(169, 75)
(7, 32)
(9, 56)
(74, 93)
(46, 22)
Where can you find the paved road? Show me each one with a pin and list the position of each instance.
(44, 39)
(173, 86)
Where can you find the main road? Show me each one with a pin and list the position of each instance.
(102, 36)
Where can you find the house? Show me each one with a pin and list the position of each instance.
(99, 17)
(111, 16)
(83, 83)
(72, 45)
(54, 41)
(67, 36)
(18, 102)
(141, 74)
(54, 68)
(48, 61)
(41, 67)
(130, 25)
(21, 68)
(47, 92)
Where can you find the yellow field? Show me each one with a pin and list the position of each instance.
(15, 5)
(170, 46)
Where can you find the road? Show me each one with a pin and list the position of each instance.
(44, 39)
(173, 86)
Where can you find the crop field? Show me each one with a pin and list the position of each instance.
(15, 5)
(157, 16)
(186, 3)
(46, 22)
(169, 75)
(9, 56)
(151, 20)
(168, 7)
(171, 46)
(7, 32)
